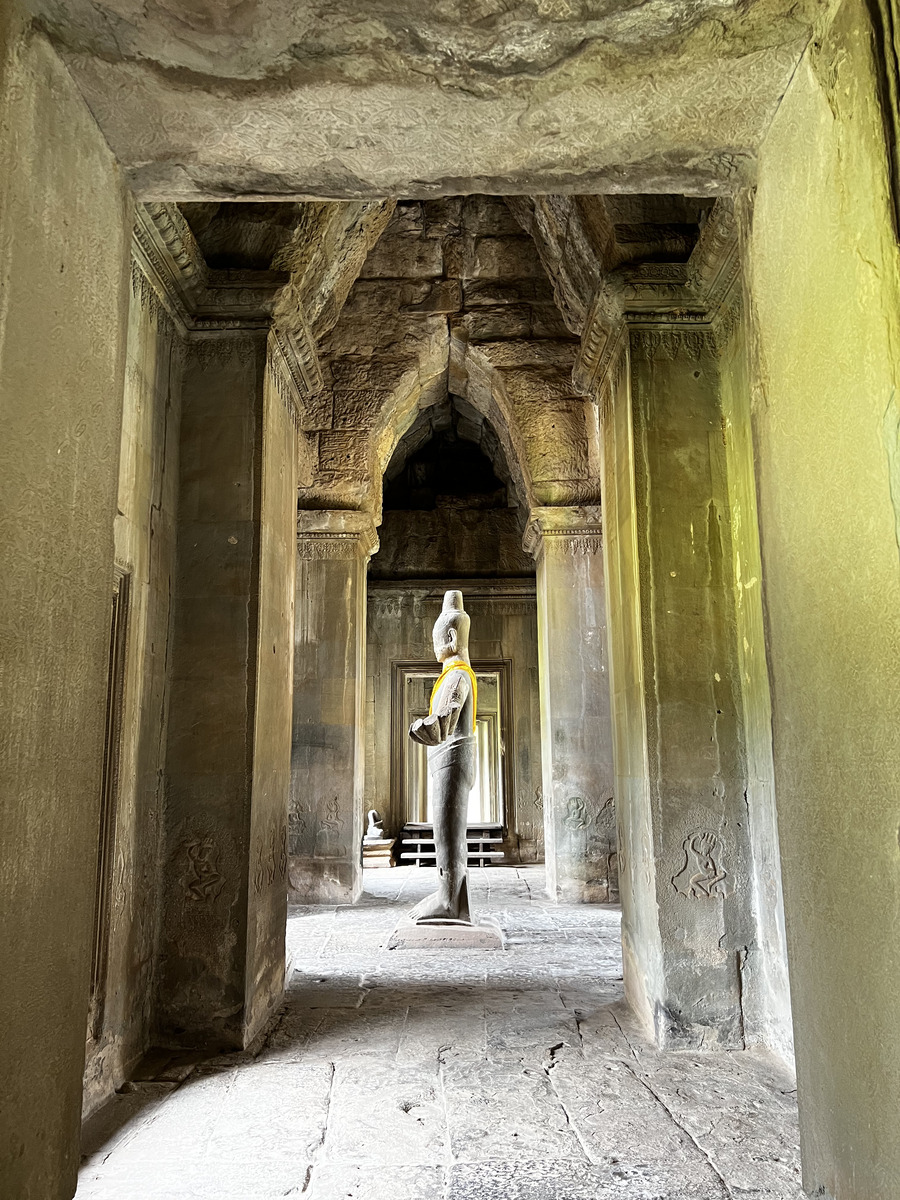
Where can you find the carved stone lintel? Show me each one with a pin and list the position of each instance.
(246, 346)
(335, 533)
(574, 530)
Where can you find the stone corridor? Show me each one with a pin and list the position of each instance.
(415, 1075)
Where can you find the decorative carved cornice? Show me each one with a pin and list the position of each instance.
(692, 293)
(603, 334)
(152, 300)
(335, 533)
(283, 382)
(167, 226)
(202, 300)
(574, 530)
(673, 307)
(298, 349)
(714, 265)
(205, 302)
(611, 381)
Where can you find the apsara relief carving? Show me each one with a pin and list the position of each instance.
(202, 879)
(702, 875)
(330, 834)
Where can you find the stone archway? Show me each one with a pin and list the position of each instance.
(453, 298)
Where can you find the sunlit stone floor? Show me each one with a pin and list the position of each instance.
(474, 1075)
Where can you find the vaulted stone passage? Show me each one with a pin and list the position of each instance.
(451, 519)
(589, 315)
(453, 319)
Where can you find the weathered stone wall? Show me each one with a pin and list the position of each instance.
(823, 272)
(145, 551)
(65, 223)
(400, 619)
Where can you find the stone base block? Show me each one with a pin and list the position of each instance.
(323, 880)
(441, 935)
(377, 852)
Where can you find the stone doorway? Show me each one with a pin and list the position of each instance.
(492, 794)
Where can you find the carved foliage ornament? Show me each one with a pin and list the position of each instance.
(327, 546)
(571, 542)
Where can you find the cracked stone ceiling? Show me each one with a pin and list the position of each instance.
(244, 99)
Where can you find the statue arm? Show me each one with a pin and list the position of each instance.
(441, 724)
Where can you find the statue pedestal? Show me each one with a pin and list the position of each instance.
(376, 852)
(441, 935)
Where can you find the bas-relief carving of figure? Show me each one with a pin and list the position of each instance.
(449, 734)
(329, 836)
(702, 875)
(203, 880)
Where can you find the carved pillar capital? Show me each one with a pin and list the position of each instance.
(572, 529)
(335, 533)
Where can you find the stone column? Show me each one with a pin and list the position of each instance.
(328, 750)
(694, 950)
(576, 735)
(228, 756)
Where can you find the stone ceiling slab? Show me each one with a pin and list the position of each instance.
(251, 99)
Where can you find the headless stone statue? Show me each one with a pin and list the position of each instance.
(442, 921)
(449, 733)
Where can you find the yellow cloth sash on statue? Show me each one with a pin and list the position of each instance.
(457, 666)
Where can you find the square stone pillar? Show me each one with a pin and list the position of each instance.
(228, 755)
(328, 750)
(576, 734)
(694, 945)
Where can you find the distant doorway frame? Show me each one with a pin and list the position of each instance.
(401, 672)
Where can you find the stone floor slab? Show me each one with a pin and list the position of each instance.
(383, 1114)
(517, 1074)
